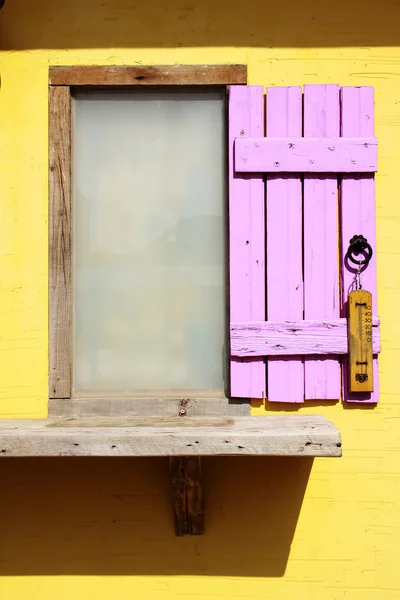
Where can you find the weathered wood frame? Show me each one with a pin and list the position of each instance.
(60, 243)
(61, 80)
(185, 471)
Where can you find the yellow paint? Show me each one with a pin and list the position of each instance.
(100, 529)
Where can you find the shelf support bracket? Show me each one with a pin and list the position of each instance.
(187, 495)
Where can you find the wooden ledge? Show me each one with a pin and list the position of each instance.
(183, 439)
(299, 435)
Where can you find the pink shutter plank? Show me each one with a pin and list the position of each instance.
(321, 242)
(358, 211)
(293, 338)
(246, 238)
(284, 245)
(306, 155)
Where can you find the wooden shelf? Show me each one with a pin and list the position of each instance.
(183, 439)
(299, 435)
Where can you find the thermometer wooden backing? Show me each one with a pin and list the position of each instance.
(360, 341)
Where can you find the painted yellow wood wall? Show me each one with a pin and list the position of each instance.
(277, 529)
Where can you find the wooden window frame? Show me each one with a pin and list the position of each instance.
(61, 80)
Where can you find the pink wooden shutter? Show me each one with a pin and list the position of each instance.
(294, 312)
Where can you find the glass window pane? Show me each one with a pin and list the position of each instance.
(149, 223)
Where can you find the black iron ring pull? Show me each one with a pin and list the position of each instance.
(359, 245)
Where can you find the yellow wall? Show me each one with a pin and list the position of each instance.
(102, 529)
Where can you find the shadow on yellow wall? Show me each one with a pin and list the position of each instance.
(114, 516)
(174, 23)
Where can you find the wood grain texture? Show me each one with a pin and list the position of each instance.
(288, 435)
(149, 75)
(187, 495)
(96, 407)
(306, 155)
(246, 239)
(358, 214)
(321, 241)
(60, 224)
(293, 338)
(361, 377)
(284, 245)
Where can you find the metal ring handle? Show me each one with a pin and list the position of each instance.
(359, 245)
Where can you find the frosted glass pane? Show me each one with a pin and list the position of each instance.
(149, 224)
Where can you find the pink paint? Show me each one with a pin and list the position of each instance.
(306, 155)
(293, 338)
(246, 238)
(284, 244)
(321, 241)
(358, 211)
(306, 327)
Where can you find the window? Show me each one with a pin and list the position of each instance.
(138, 222)
(149, 211)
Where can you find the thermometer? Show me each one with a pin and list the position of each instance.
(360, 341)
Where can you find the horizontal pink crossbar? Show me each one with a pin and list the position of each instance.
(292, 338)
(306, 155)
